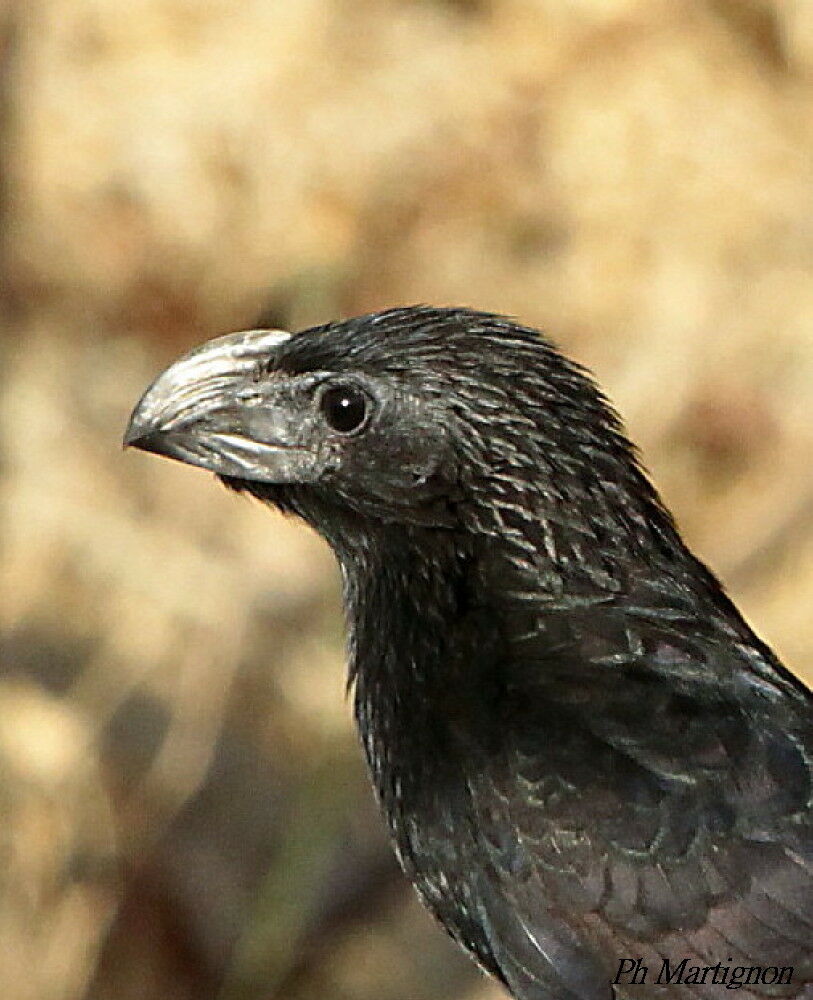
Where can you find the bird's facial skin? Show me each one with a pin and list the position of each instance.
(230, 407)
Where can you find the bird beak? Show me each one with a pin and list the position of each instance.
(211, 409)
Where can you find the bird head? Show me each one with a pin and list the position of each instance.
(440, 418)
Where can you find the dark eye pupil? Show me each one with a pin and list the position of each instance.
(344, 407)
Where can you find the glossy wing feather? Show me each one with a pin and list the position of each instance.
(652, 797)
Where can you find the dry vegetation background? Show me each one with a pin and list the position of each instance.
(183, 811)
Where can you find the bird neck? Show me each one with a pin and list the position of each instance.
(423, 650)
(406, 592)
(439, 620)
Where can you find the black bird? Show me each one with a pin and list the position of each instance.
(592, 769)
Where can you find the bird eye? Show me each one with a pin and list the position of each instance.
(344, 407)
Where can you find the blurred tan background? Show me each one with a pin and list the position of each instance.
(183, 809)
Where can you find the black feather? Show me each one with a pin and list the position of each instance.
(583, 752)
